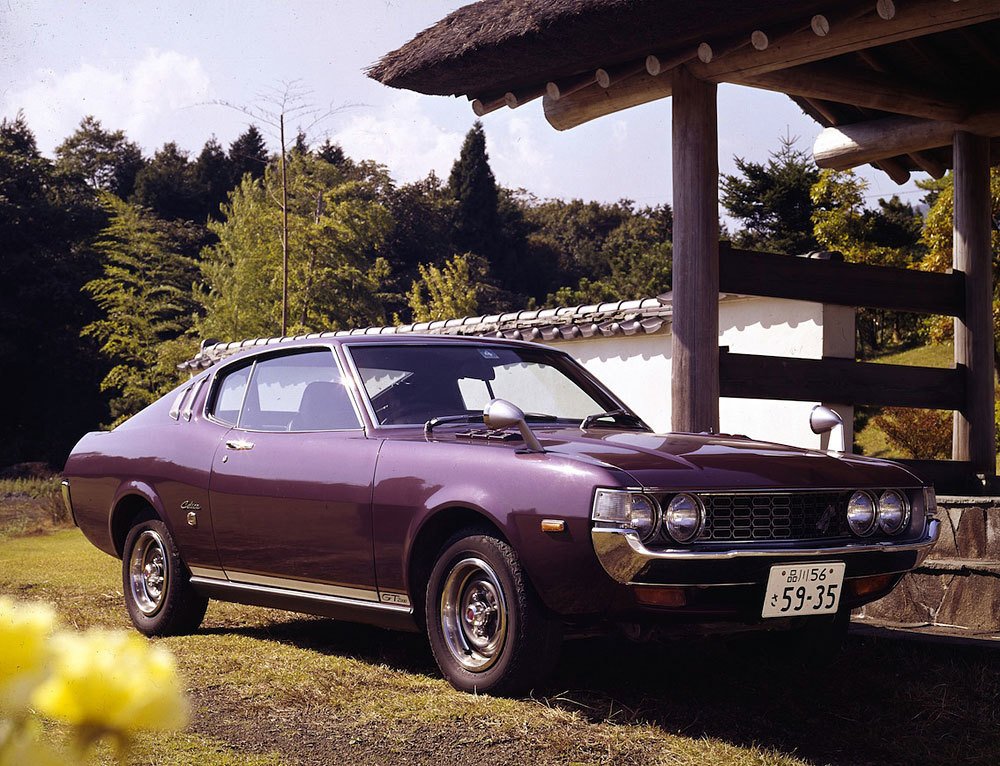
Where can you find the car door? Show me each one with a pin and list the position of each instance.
(291, 482)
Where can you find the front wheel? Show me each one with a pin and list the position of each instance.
(158, 593)
(486, 627)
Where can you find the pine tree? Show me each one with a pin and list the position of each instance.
(213, 173)
(773, 200)
(168, 186)
(248, 154)
(472, 185)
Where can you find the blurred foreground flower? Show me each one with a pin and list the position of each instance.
(107, 682)
(25, 630)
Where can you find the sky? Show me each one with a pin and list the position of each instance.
(157, 70)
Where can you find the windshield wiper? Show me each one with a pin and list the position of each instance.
(433, 423)
(545, 418)
(632, 420)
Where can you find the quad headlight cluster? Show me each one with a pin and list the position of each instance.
(682, 519)
(889, 512)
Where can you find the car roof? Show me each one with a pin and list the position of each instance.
(267, 345)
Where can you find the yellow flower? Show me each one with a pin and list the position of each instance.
(113, 682)
(24, 651)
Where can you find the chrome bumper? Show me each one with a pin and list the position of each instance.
(623, 555)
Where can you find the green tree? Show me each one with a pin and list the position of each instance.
(213, 174)
(472, 185)
(938, 240)
(168, 186)
(639, 257)
(336, 230)
(773, 201)
(248, 154)
(147, 307)
(105, 160)
(51, 377)
(887, 236)
(446, 292)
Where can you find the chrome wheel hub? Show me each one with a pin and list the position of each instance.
(148, 572)
(473, 614)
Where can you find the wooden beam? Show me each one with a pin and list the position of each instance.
(916, 19)
(847, 35)
(840, 381)
(848, 146)
(928, 164)
(695, 354)
(568, 86)
(746, 272)
(521, 96)
(483, 106)
(894, 169)
(615, 75)
(863, 88)
(974, 437)
(593, 101)
(658, 63)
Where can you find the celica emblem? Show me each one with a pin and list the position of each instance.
(823, 525)
(190, 505)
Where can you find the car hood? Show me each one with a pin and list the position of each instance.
(700, 461)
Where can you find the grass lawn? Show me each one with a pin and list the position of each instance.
(269, 687)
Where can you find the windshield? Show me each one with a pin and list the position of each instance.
(411, 384)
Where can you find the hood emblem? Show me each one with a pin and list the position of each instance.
(823, 525)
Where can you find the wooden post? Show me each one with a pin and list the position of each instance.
(973, 437)
(695, 385)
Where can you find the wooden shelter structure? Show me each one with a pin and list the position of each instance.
(903, 84)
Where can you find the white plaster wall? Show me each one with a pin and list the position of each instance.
(638, 368)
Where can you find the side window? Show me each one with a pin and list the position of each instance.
(298, 392)
(228, 395)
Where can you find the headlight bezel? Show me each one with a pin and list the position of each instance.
(699, 506)
(621, 508)
(904, 507)
(872, 524)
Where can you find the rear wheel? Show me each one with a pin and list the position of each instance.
(487, 629)
(158, 592)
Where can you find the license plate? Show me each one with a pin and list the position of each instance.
(803, 589)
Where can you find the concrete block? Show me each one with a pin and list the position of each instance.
(970, 535)
(972, 602)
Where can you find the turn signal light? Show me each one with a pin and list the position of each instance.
(651, 595)
(866, 586)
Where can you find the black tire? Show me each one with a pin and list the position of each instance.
(158, 593)
(487, 628)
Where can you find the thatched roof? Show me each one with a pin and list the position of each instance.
(497, 45)
(515, 48)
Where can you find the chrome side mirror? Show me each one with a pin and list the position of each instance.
(502, 414)
(823, 419)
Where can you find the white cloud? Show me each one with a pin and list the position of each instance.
(518, 158)
(146, 98)
(402, 136)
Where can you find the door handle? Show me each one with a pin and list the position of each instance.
(239, 444)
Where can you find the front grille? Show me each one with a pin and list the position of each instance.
(778, 516)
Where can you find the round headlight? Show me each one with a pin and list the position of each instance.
(861, 513)
(893, 512)
(643, 515)
(684, 517)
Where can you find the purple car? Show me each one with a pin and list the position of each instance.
(490, 493)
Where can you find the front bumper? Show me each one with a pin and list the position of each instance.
(628, 561)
